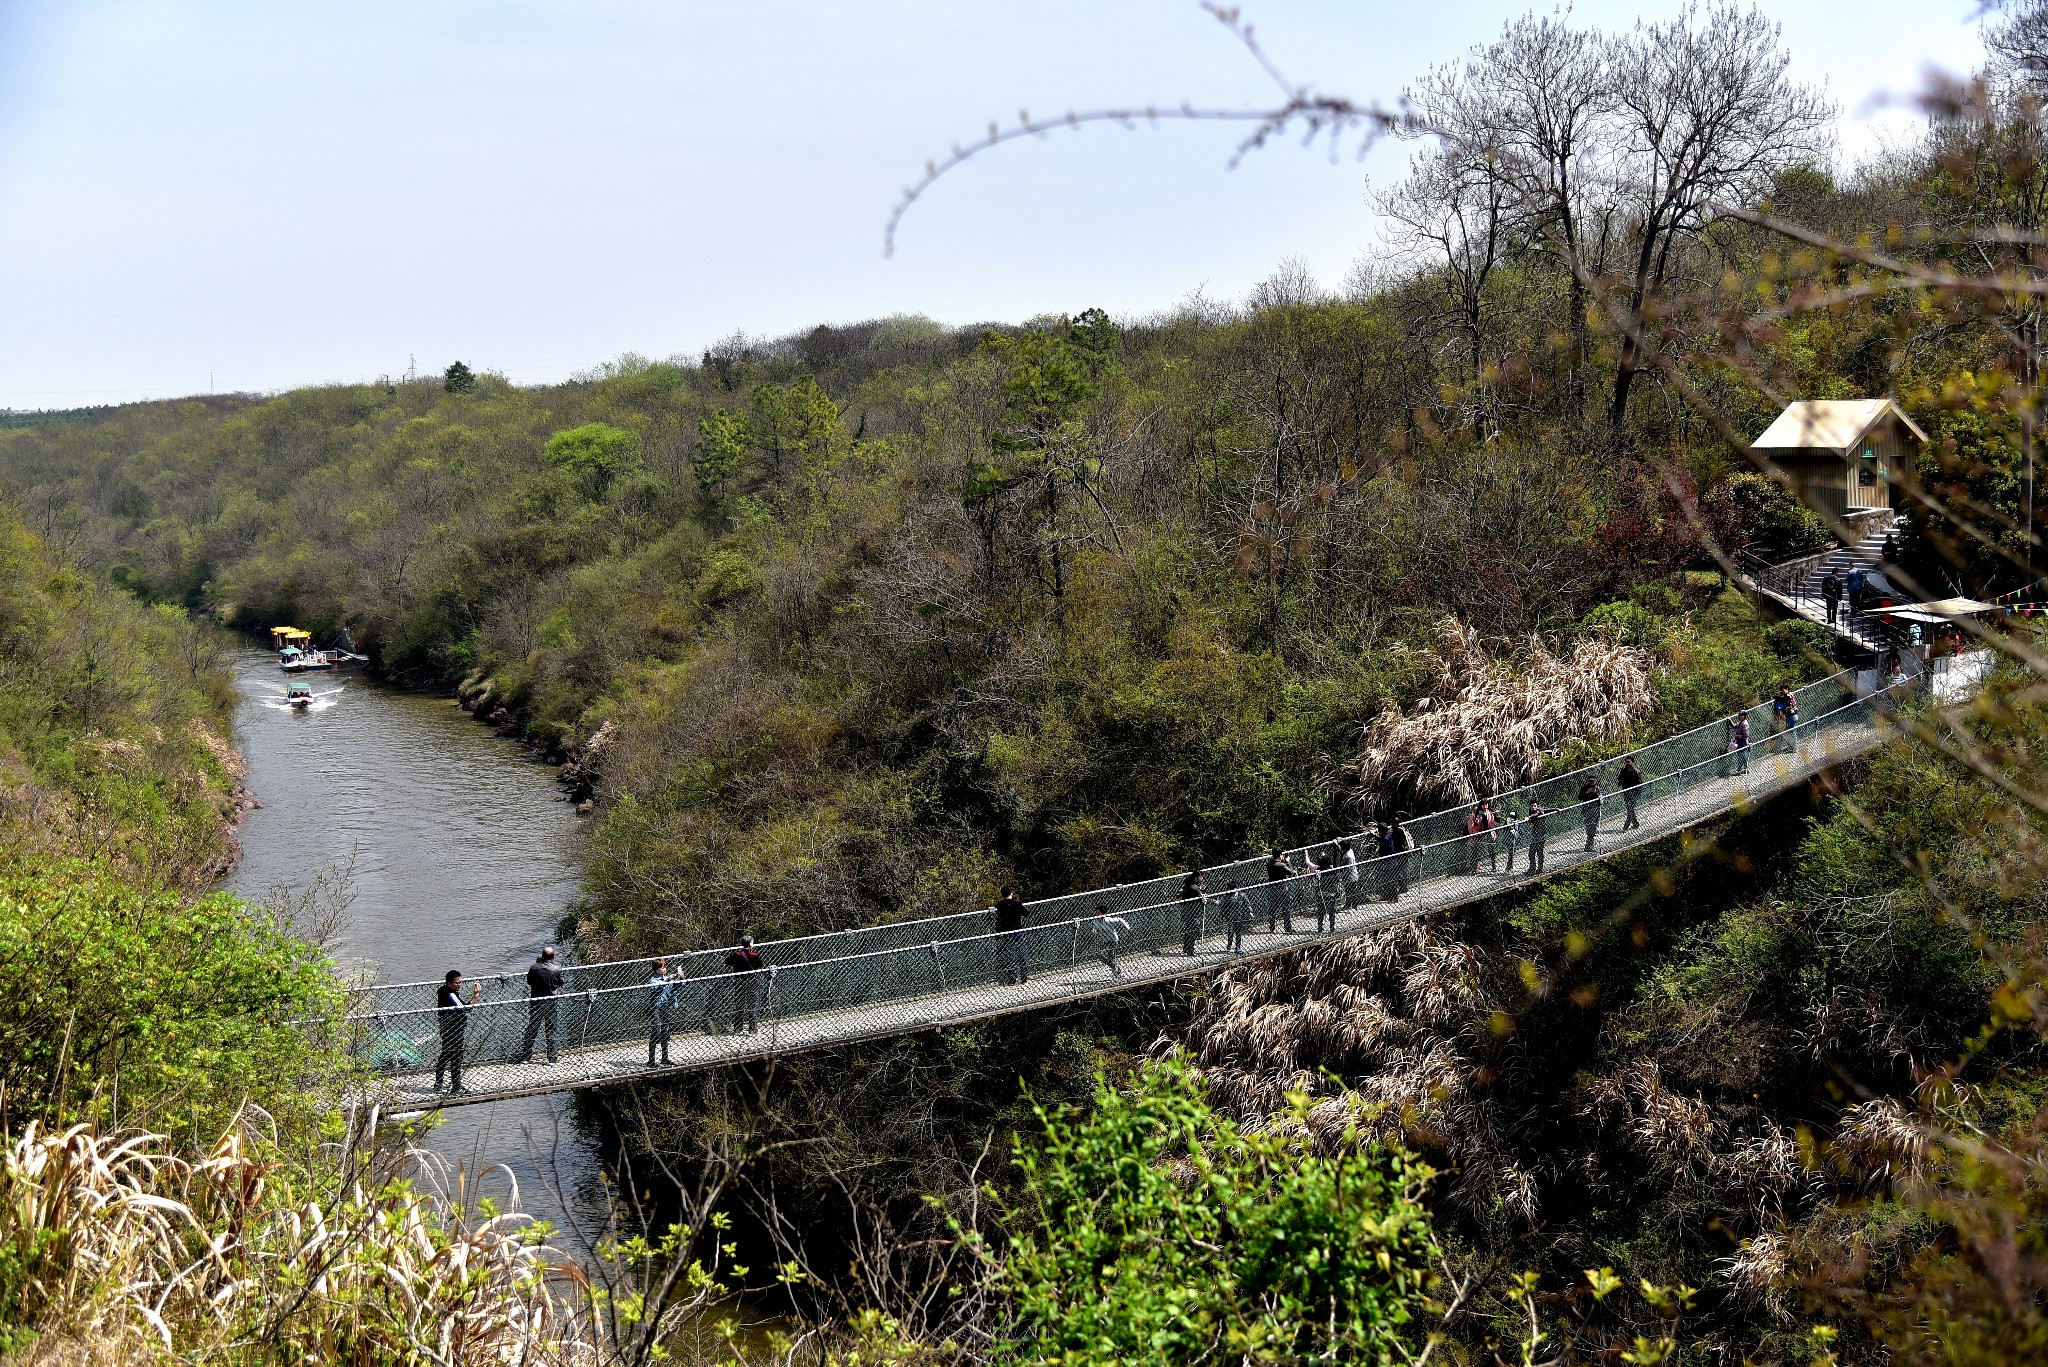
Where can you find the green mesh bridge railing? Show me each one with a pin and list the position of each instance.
(608, 1021)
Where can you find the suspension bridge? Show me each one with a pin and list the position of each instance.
(892, 979)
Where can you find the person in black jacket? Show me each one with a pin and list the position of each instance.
(1325, 866)
(1628, 780)
(1539, 835)
(1386, 872)
(1589, 808)
(1279, 903)
(1831, 594)
(1010, 911)
(454, 1018)
(748, 969)
(543, 979)
(1191, 901)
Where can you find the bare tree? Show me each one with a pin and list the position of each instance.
(1705, 115)
(1455, 205)
(1539, 97)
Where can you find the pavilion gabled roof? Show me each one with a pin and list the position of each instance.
(1829, 424)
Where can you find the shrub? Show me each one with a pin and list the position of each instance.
(1626, 623)
(1152, 1229)
(1757, 515)
(149, 1001)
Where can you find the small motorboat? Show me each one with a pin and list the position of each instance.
(298, 695)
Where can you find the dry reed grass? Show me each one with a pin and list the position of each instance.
(1885, 1140)
(1488, 723)
(122, 1250)
(1395, 1011)
(1402, 1018)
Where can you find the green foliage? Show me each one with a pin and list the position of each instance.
(1722, 656)
(795, 420)
(1628, 623)
(723, 444)
(1051, 374)
(458, 379)
(128, 988)
(596, 454)
(166, 1006)
(1804, 647)
(1766, 520)
(1972, 464)
(110, 722)
(1152, 1229)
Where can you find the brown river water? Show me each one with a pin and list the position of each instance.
(462, 854)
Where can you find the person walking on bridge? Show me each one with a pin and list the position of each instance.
(454, 1020)
(1192, 900)
(1010, 913)
(1738, 741)
(1325, 866)
(1510, 835)
(1379, 862)
(1279, 902)
(1539, 835)
(748, 969)
(1237, 917)
(1785, 710)
(661, 1006)
(1109, 933)
(1831, 594)
(1628, 780)
(544, 979)
(1589, 808)
(1401, 841)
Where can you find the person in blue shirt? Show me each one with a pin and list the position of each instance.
(661, 1009)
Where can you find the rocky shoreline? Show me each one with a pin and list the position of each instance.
(577, 763)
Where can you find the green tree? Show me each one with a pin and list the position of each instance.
(458, 379)
(723, 444)
(1041, 441)
(596, 453)
(794, 420)
(1753, 513)
(1153, 1230)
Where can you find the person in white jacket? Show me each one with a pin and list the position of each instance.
(1110, 931)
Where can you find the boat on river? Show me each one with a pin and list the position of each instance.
(296, 653)
(298, 694)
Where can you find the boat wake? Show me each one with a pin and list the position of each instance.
(322, 699)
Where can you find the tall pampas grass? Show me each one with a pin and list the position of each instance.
(1394, 1010)
(121, 1250)
(1489, 722)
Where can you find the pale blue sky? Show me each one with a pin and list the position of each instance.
(287, 192)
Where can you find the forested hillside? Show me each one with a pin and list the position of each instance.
(858, 623)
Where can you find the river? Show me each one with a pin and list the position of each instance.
(460, 854)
